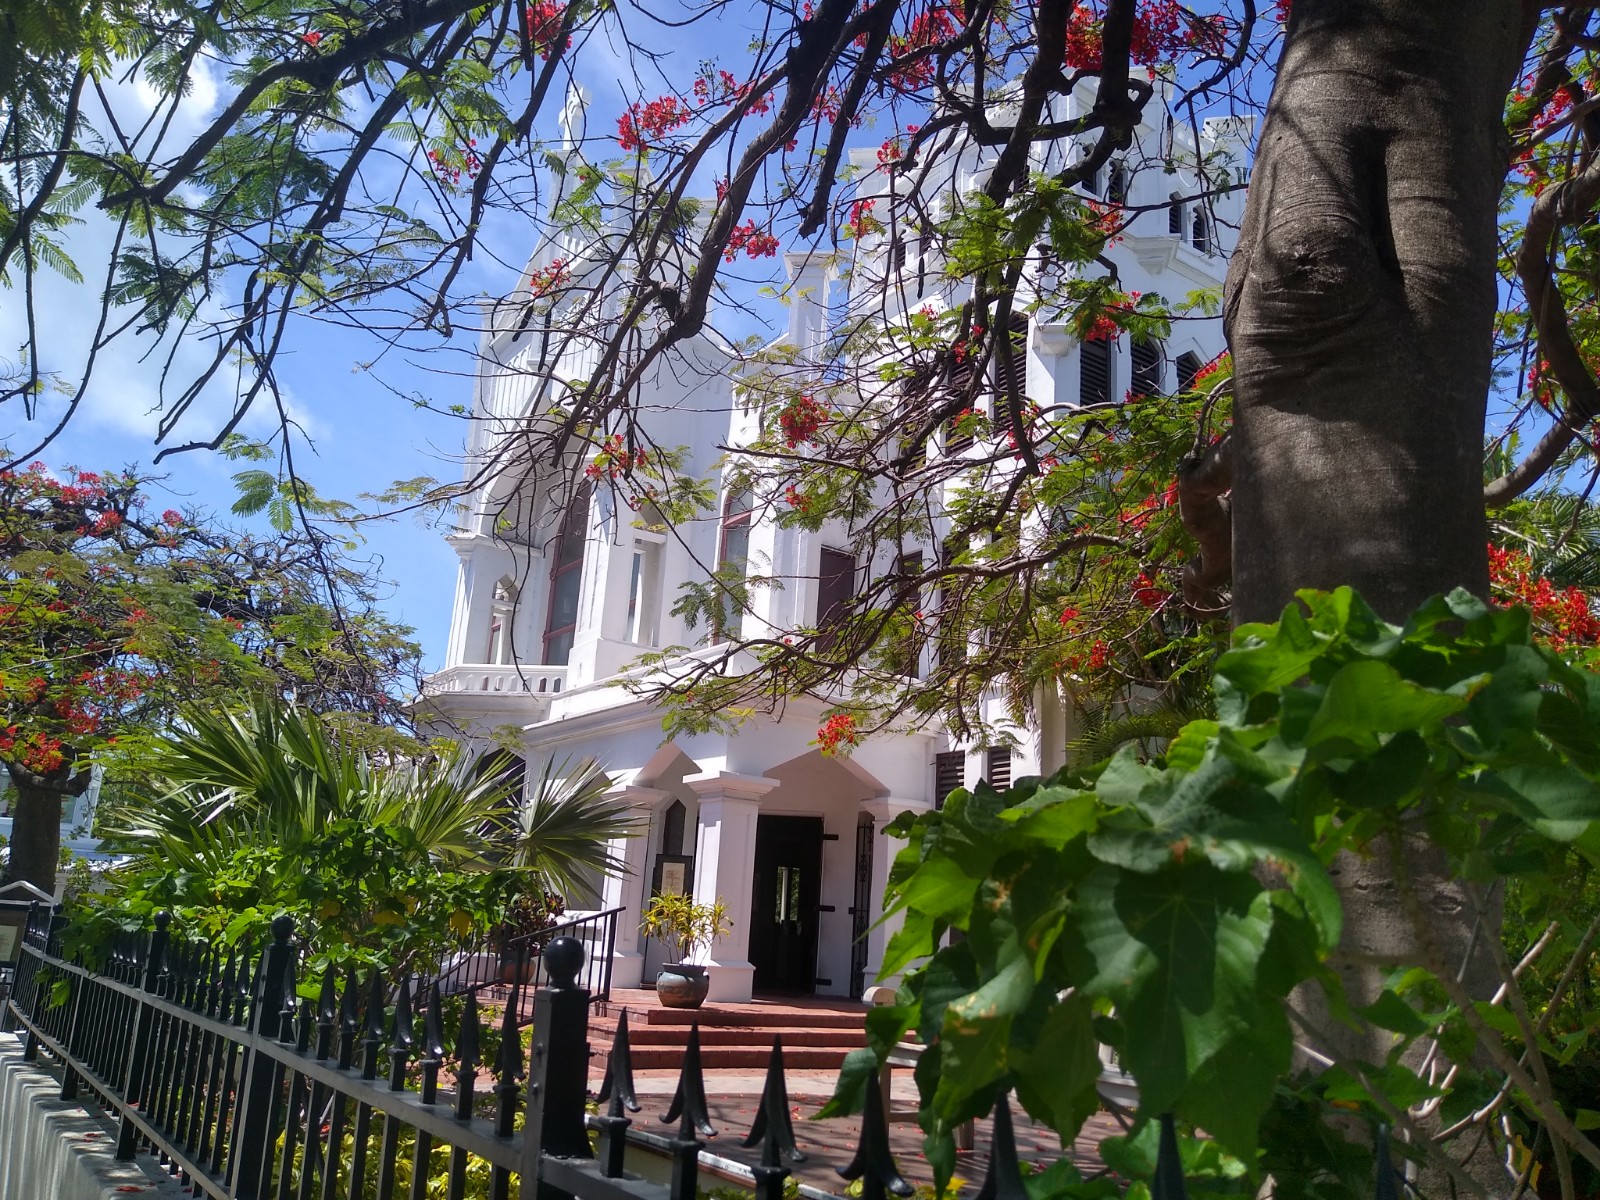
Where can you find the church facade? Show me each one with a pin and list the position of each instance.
(558, 595)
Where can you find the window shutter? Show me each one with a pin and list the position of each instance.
(1146, 368)
(1175, 216)
(1188, 365)
(1202, 234)
(949, 771)
(1014, 377)
(1117, 189)
(997, 768)
(1094, 372)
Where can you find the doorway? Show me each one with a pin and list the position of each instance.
(786, 887)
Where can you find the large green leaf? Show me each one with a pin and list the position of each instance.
(1177, 953)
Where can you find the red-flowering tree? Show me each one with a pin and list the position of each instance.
(113, 616)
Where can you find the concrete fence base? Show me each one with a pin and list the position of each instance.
(53, 1149)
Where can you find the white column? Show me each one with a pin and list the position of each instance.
(724, 863)
(883, 810)
(626, 890)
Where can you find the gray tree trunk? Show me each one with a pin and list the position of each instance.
(1359, 309)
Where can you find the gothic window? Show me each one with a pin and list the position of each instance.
(905, 655)
(566, 576)
(1201, 233)
(672, 823)
(836, 586)
(734, 553)
(501, 611)
(1175, 215)
(1146, 368)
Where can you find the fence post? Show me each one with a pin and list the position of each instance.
(139, 1050)
(558, 1080)
(252, 1133)
(30, 1041)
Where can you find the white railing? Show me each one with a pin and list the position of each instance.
(518, 680)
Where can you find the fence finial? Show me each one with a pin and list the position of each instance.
(617, 1085)
(468, 1053)
(401, 1035)
(874, 1162)
(1168, 1182)
(773, 1126)
(689, 1101)
(563, 959)
(1003, 1180)
(432, 1046)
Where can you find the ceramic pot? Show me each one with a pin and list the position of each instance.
(682, 985)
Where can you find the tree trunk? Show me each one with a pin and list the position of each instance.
(35, 846)
(1359, 309)
(1360, 304)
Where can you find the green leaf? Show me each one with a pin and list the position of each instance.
(1056, 1071)
(941, 888)
(850, 1090)
(1367, 697)
(1390, 1012)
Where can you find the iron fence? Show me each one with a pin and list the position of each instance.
(503, 961)
(245, 1090)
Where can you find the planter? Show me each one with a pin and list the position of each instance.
(682, 985)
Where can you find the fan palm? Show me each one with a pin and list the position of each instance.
(564, 828)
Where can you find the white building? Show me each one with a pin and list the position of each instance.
(552, 607)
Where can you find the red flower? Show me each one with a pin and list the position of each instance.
(311, 39)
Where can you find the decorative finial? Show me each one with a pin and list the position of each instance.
(563, 959)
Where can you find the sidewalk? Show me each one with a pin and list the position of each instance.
(733, 1097)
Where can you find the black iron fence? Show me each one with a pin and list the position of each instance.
(245, 1090)
(500, 962)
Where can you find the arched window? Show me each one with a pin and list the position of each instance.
(1146, 369)
(501, 610)
(1175, 215)
(1117, 187)
(1188, 364)
(1201, 233)
(566, 576)
(732, 558)
(672, 823)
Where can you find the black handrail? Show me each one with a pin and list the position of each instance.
(500, 962)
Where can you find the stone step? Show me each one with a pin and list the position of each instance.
(747, 1058)
(779, 1018)
(678, 1035)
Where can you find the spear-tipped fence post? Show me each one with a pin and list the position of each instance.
(1387, 1184)
(253, 1134)
(1168, 1181)
(508, 1068)
(370, 1042)
(467, 1059)
(688, 1108)
(139, 1045)
(558, 1082)
(1003, 1180)
(773, 1123)
(774, 1130)
(617, 1089)
(401, 1040)
(874, 1163)
(430, 1062)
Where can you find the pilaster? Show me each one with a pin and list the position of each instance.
(626, 889)
(725, 852)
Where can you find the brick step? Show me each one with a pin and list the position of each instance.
(678, 1035)
(787, 1018)
(750, 1058)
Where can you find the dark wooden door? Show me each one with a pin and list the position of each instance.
(787, 889)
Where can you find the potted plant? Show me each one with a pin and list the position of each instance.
(675, 918)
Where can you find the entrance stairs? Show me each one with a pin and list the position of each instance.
(817, 1034)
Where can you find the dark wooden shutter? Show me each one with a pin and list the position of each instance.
(905, 657)
(1175, 216)
(1117, 189)
(949, 771)
(1202, 234)
(836, 585)
(1013, 378)
(1094, 372)
(997, 768)
(1188, 365)
(1146, 368)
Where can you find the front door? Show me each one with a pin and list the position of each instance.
(787, 888)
